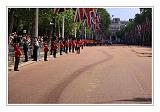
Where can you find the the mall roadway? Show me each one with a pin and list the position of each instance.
(99, 75)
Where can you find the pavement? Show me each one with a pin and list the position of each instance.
(98, 75)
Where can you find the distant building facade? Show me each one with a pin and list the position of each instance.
(116, 25)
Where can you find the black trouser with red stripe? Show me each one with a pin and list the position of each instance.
(61, 49)
(26, 56)
(70, 48)
(54, 53)
(82, 46)
(73, 49)
(17, 59)
(66, 50)
(51, 51)
(45, 56)
(78, 49)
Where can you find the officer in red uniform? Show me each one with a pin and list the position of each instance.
(66, 45)
(78, 46)
(73, 45)
(61, 47)
(18, 53)
(55, 48)
(45, 51)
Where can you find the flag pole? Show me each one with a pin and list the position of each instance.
(59, 30)
(75, 31)
(63, 28)
(85, 32)
(36, 32)
(36, 23)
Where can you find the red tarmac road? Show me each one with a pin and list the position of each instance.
(99, 75)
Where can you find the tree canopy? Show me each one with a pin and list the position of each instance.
(105, 20)
(140, 28)
(20, 19)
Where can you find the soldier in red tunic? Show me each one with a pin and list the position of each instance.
(73, 45)
(66, 45)
(45, 51)
(61, 47)
(55, 48)
(78, 46)
(18, 53)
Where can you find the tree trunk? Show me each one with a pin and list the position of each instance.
(33, 28)
(11, 22)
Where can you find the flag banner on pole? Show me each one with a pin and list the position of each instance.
(84, 23)
(76, 16)
(88, 16)
(60, 10)
(92, 21)
(96, 20)
(79, 15)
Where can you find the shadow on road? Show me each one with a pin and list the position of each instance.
(129, 101)
(142, 54)
(54, 96)
(149, 100)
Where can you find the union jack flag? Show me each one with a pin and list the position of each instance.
(89, 14)
(80, 15)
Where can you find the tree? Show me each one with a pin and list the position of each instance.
(140, 29)
(120, 34)
(45, 17)
(19, 18)
(24, 18)
(105, 19)
(69, 22)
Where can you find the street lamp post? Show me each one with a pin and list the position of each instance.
(53, 26)
(63, 27)
(36, 32)
(36, 23)
(53, 30)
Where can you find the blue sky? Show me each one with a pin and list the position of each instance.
(123, 13)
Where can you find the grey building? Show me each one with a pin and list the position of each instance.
(116, 25)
